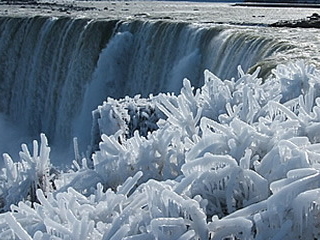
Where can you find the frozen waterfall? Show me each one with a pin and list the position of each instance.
(55, 71)
(229, 154)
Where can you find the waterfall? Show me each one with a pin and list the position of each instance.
(45, 64)
(55, 71)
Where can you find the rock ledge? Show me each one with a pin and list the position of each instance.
(310, 22)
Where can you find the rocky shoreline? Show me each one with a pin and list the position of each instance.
(312, 21)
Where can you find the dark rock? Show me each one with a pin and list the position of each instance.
(142, 15)
(312, 21)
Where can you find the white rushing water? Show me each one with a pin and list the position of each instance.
(184, 129)
(55, 71)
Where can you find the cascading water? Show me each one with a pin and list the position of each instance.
(45, 64)
(55, 71)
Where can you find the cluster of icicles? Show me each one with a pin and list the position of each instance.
(235, 159)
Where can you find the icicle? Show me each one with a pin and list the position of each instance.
(76, 150)
(236, 227)
(245, 161)
(168, 228)
(121, 233)
(129, 184)
(16, 227)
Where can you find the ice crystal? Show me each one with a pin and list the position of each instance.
(234, 159)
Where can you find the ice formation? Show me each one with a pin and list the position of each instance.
(234, 159)
(67, 66)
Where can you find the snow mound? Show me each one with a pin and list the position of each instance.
(234, 159)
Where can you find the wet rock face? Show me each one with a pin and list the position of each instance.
(312, 21)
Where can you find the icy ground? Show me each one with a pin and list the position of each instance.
(235, 159)
(194, 12)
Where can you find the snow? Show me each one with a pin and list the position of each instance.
(236, 159)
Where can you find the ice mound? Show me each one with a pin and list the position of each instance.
(235, 159)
